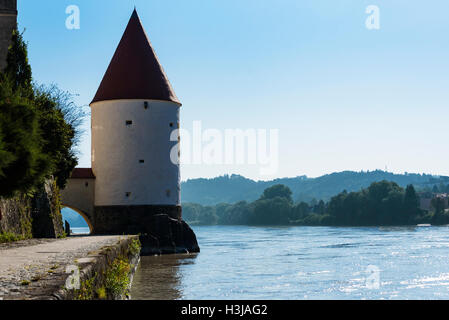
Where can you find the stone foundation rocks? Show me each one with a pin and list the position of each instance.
(128, 219)
(161, 227)
(165, 235)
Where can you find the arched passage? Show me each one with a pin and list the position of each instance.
(83, 215)
(78, 195)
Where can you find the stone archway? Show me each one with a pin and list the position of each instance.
(79, 194)
(85, 216)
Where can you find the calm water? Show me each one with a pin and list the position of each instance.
(80, 231)
(302, 263)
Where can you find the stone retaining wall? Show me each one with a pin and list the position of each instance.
(103, 274)
(37, 216)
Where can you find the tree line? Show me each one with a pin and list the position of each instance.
(234, 188)
(381, 204)
(39, 127)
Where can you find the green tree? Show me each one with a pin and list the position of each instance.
(208, 216)
(438, 206)
(37, 127)
(191, 211)
(237, 214)
(274, 211)
(320, 207)
(382, 203)
(25, 165)
(18, 70)
(411, 204)
(58, 137)
(278, 190)
(299, 211)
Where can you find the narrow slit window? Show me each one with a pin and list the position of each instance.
(145, 105)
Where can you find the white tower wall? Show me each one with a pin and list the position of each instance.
(118, 149)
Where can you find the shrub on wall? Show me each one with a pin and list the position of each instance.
(38, 127)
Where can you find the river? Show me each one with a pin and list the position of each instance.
(239, 262)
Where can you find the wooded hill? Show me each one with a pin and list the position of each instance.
(234, 188)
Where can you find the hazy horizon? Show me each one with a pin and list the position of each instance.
(314, 177)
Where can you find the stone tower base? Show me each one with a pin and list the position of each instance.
(161, 228)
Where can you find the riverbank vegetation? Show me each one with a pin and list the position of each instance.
(7, 237)
(39, 128)
(381, 204)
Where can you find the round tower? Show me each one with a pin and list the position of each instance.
(134, 113)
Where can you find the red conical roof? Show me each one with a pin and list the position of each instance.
(135, 71)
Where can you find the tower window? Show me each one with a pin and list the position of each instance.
(128, 194)
(146, 105)
(168, 193)
(129, 122)
(86, 184)
(171, 124)
(141, 161)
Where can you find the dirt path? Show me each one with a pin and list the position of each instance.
(28, 263)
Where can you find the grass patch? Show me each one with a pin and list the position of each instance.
(117, 277)
(116, 283)
(8, 237)
(101, 293)
(86, 291)
(135, 246)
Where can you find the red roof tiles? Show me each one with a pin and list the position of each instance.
(82, 173)
(135, 71)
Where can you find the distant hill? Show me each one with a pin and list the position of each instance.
(234, 188)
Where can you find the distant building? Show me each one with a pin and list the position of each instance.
(427, 197)
(8, 22)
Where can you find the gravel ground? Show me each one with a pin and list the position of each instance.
(33, 268)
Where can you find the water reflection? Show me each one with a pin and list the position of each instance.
(159, 277)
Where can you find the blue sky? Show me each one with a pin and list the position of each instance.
(343, 97)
